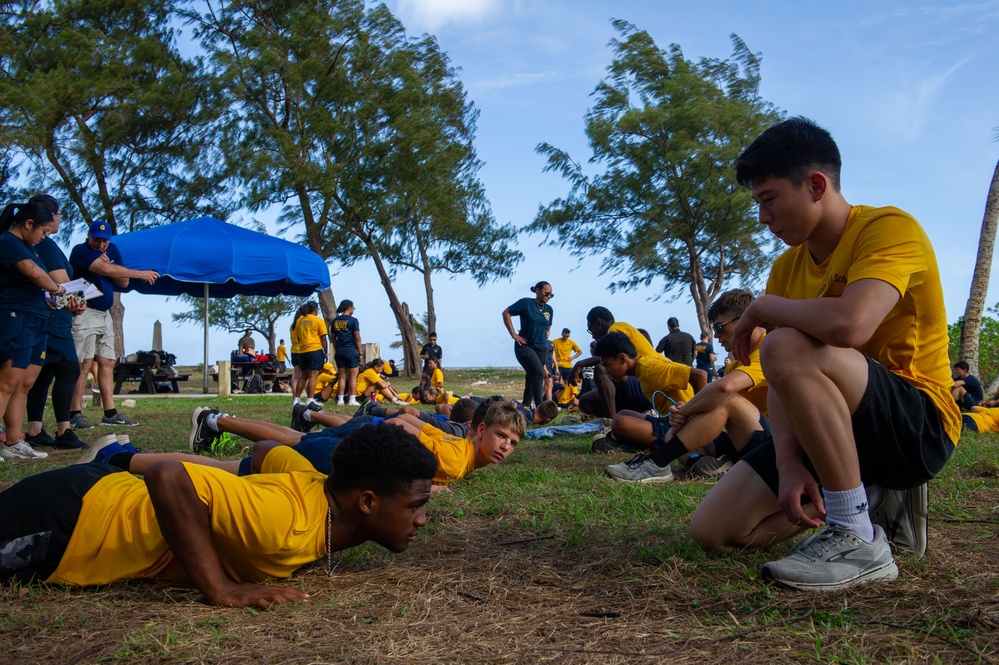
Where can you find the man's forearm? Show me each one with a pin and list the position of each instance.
(184, 521)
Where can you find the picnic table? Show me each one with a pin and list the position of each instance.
(146, 375)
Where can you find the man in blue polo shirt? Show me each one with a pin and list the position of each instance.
(98, 261)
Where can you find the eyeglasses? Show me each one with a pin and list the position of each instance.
(548, 295)
(718, 327)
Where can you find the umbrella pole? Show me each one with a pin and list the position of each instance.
(206, 339)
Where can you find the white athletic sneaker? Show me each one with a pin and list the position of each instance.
(353, 402)
(904, 516)
(20, 450)
(834, 558)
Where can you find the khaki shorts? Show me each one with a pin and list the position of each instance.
(93, 335)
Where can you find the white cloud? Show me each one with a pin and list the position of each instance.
(431, 15)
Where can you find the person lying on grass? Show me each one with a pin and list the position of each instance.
(543, 414)
(496, 428)
(727, 415)
(93, 524)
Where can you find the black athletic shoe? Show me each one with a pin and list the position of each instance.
(298, 421)
(43, 438)
(68, 440)
(202, 435)
(609, 444)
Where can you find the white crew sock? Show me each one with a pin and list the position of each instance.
(212, 420)
(849, 508)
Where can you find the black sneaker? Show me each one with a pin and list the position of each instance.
(43, 438)
(202, 435)
(609, 444)
(298, 421)
(68, 440)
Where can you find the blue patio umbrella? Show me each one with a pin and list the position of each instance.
(208, 258)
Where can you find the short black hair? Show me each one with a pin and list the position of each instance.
(566, 331)
(382, 458)
(960, 364)
(790, 149)
(613, 344)
(600, 313)
(672, 322)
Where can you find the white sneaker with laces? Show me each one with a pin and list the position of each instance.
(21, 450)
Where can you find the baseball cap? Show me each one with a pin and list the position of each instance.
(100, 229)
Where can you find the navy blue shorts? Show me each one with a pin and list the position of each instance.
(22, 339)
(900, 439)
(347, 360)
(296, 361)
(312, 360)
(58, 348)
(969, 423)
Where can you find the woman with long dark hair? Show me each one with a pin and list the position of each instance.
(531, 342)
(23, 312)
(61, 362)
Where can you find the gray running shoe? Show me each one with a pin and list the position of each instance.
(904, 516)
(118, 419)
(640, 469)
(79, 422)
(834, 558)
(710, 467)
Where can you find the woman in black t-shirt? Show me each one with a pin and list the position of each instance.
(531, 343)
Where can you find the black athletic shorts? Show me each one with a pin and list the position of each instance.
(37, 518)
(900, 439)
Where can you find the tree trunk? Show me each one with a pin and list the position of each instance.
(117, 320)
(327, 303)
(427, 282)
(980, 279)
(410, 349)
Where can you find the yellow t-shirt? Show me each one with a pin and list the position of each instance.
(757, 393)
(437, 378)
(567, 394)
(311, 329)
(642, 345)
(657, 373)
(264, 526)
(366, 379)
(295, 346)
(986, 419)
(446, 397)
(455, 454)
(282, 353)
(326, 377)
(563, 350)
(889, 245)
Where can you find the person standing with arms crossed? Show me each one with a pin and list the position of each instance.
(347, 351)
(531, 343)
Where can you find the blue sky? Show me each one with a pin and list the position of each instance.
(908, 89)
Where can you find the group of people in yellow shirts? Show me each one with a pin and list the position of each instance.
(834, 416)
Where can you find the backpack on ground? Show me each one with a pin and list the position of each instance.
(255, 384)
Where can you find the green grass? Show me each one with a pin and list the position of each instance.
(534, 544)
